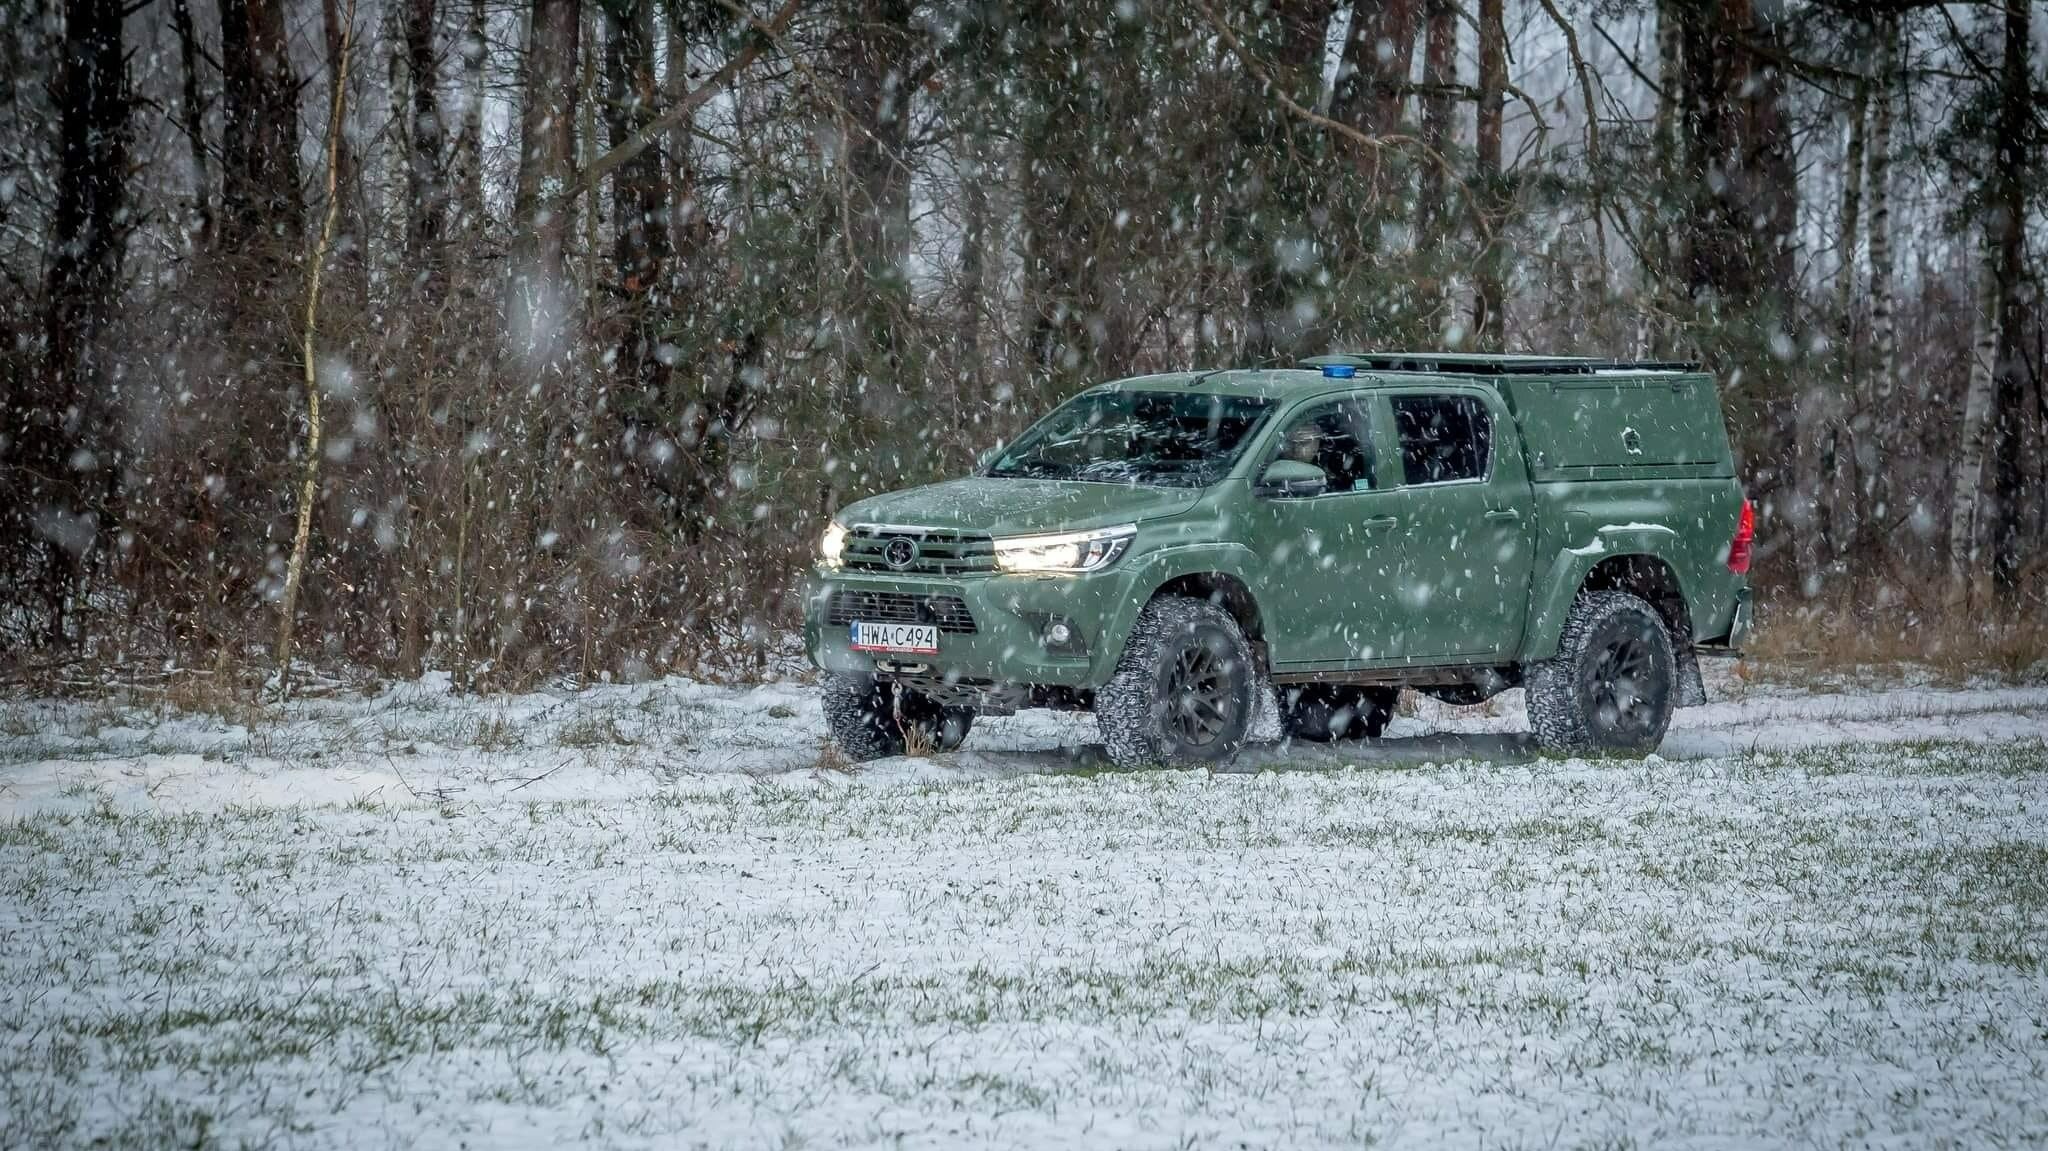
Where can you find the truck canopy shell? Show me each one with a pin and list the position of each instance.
(1589, 419)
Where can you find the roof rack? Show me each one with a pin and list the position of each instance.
(1474, 364)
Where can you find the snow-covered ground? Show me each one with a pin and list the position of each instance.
(661, 915)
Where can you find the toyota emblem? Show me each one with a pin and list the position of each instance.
(900, 552)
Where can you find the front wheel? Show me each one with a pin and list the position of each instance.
(874, 719)
(1182, 693)
(1611, 686)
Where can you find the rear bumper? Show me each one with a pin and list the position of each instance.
(1011, 617)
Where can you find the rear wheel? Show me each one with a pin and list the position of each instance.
(1612, 685)
(1322, 712)
(1182, 693)
(873, 719)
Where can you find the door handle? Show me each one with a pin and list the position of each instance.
(1503, 515)
(1381, 523)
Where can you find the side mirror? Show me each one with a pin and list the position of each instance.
(1292, 479)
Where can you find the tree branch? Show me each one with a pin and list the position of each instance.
(1373, 143)
(675, 114)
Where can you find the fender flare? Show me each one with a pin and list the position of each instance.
(1572, 566)
(1161, 566)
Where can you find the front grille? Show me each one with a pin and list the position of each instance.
(948, 611)
(938, 553)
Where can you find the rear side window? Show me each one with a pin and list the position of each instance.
(1443, 438)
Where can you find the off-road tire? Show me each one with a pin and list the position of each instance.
(1320, 712)
(1611, 688)
(874, 719)
(1147, 720)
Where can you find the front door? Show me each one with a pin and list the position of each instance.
(1323, 597)
(1463, 550)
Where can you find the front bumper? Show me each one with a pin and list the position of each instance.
(1011, 617)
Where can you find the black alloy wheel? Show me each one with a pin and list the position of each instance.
(1612, 685)
(1184, 688)
(1626, 692)
(1196, 696)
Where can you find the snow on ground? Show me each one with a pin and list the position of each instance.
(653, 916)
(421, 743)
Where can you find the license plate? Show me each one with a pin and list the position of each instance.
(918, 638)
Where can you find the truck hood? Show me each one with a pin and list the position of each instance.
(1018, 507)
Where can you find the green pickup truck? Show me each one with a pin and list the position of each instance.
(1157, 547)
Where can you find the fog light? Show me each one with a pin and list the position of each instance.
(1059, 633)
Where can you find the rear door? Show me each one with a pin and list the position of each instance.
(1323, 598)
(1462, 566)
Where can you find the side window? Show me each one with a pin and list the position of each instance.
(1443, 438)
(1336, 438)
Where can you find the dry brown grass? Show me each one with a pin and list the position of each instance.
(1886, 628)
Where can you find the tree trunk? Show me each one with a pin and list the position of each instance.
(689, 228)
(467, 165)
(589, 209)
(351, 274)
(309, 485)
(538, 298)
(1489, 305)
(1968, 486)
(192, 113)
(1848, 235)
(260, 203)
(2009, 218)
(1439, 72)
(878, 172)
(60, 471)
(1837, 434)
(1276, 199)
(640, 235)
(1372, 77)
(425, 180)
(1874, 425)
(973, 252)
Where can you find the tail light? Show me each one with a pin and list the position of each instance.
(1744, 542)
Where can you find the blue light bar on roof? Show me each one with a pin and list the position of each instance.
(1340, 371)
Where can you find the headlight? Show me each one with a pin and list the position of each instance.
(1071, 552)
(833, 545)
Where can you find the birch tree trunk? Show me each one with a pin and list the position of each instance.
(1839, 481)
(309, 485)
(1967, 495)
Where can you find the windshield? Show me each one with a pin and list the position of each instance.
(1173, 439)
